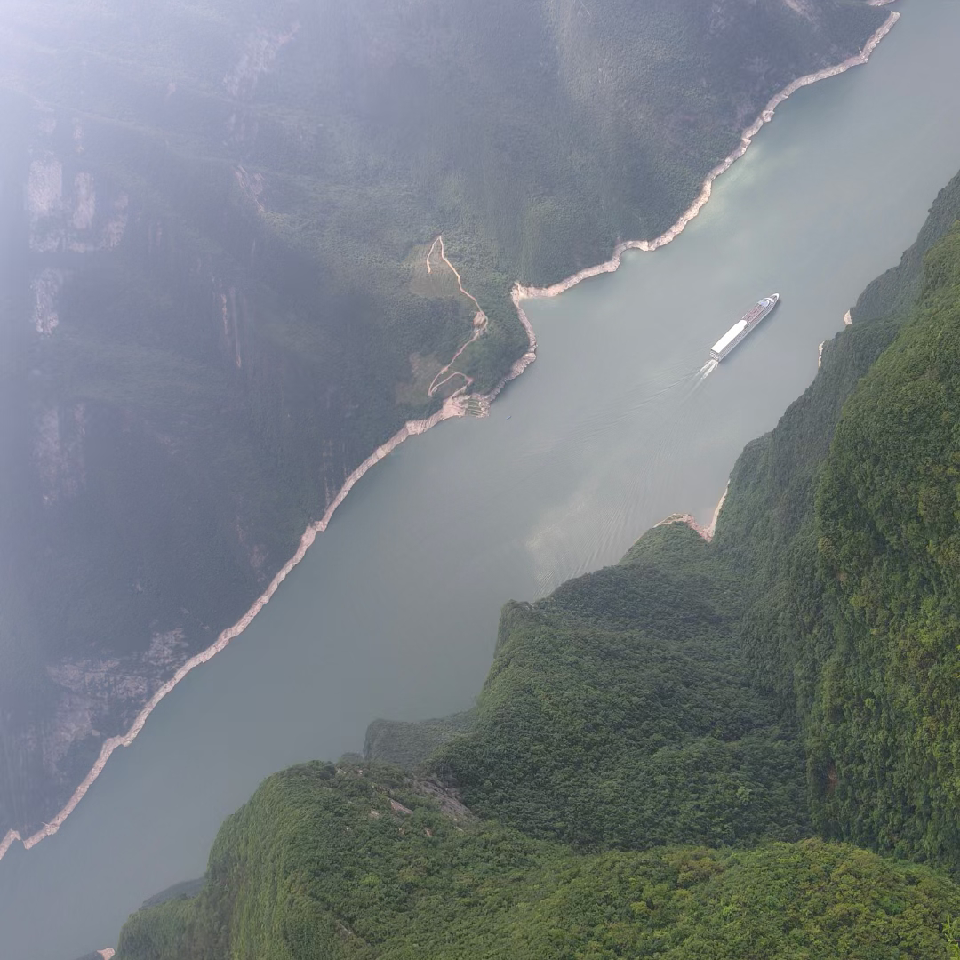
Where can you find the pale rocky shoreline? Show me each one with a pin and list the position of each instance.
(707, 532)
(746, 138)
(455, 406)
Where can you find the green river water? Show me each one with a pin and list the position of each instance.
(394, 611)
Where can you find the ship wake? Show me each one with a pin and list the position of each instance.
(695, 379)
(705, 371)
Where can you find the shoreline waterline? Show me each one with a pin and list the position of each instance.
(688, 519)
(521, 292)
(458, 405)
(712, 528)
(453, 407)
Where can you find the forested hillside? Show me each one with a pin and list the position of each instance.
(884, 722)
(650, 734)
(342, 862)
(221, 290)
(851, 617)
(617, 713)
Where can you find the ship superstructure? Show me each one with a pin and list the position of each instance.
(743, 326)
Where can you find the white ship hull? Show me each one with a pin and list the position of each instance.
(744, 326)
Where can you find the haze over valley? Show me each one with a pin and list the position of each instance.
(248, 250)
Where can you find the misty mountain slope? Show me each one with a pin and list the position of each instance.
(218, 220)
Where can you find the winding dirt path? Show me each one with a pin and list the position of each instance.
(479, 326)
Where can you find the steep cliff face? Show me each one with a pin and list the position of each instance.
(177, 412)
(221, 289)
(166, 448)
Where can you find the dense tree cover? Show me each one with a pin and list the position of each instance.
(409, 744)
(361, 863)
(617, 713)
(849, 534)
(230, 206)
(894, 292)
(767, 524)
(184, 890)
(884, 727)
(766, 528)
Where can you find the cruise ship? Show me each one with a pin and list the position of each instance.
(743, 326)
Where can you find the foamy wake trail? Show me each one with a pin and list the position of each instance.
(694, 380)
(705, 371)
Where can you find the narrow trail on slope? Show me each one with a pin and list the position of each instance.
(479, 327)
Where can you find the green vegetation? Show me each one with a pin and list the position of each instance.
(884, 726)
(617, 713)
(847, 524)
(894, 293)
(651, 734)
(409, 744)
(328, 862)
(185, 890)
(244, 311)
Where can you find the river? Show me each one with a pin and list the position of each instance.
(394, 610)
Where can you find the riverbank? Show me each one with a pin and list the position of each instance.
(521, 292)
(459, 405)
(707, 532)
(454, 407)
